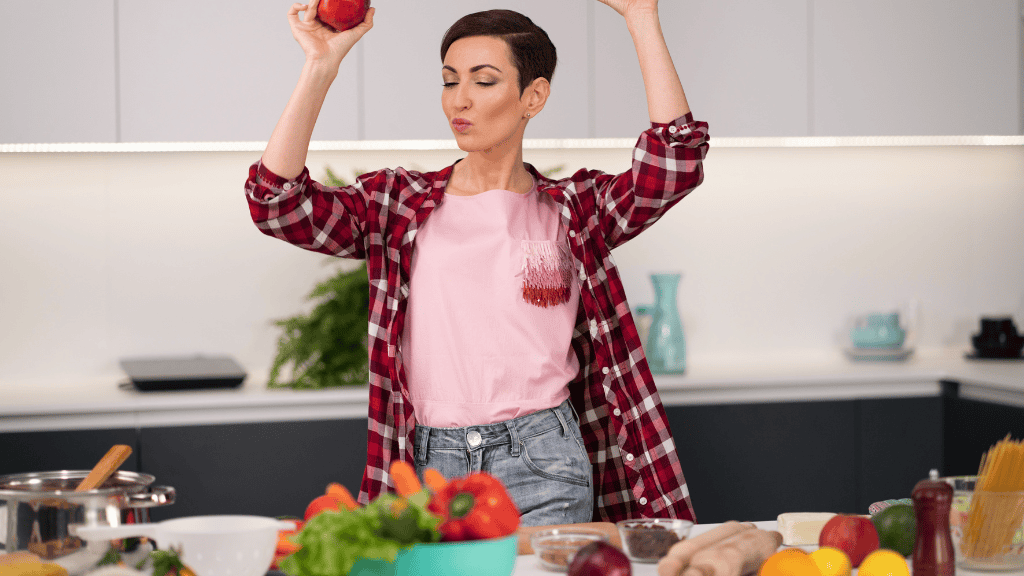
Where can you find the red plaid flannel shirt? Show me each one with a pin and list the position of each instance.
(636, 470)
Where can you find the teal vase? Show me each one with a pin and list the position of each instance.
(666, 345)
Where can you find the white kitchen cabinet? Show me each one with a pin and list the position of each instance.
(402, 90)
(916, 67)
(144, 70)
(743, 66)
(57, 71)
(223, 71)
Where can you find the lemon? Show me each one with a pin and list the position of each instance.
(789, 562)
(884, 562)
(832, 561)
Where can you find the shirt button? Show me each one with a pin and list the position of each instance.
(643, 501)
(474, 438)
(629, 457)
(617, 412)
(287, 186)
(572, 233)
(605, 370)
(673, 129)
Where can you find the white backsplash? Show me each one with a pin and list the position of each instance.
(105, 255)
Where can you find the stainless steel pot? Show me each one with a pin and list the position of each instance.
(39, 507)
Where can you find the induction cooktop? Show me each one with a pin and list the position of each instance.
(183, 372)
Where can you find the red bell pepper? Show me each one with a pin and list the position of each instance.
(474, 507)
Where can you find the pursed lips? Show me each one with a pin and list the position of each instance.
(461, 124)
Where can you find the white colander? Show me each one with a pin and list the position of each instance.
(209, 545)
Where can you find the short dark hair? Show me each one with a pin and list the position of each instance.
(532, 52)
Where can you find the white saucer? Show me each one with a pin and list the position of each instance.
(878, 353)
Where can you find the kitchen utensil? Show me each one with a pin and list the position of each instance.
(493, 557)
(648, 539)
(556, 547)
(107, 465)
(666, 343)
(41, 505)
(209, 545)
(998, 339)
(878, 331)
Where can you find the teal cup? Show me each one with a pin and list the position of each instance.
(878, 331)
(494, 557)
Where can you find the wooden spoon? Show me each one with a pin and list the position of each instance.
(105, 467)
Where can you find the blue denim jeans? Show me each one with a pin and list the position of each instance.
(539, 457)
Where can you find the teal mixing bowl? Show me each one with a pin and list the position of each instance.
(494, 557)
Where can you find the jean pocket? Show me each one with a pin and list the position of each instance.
(555, 456)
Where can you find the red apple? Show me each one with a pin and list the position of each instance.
(342, 14)
(599, 559)
(854, 535)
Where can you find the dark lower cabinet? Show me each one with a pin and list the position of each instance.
(269, 469)
(22, 452)
(900, 442)
(741, 461)
(972, 427)
(756, 461)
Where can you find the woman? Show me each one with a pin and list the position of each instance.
(500, 337)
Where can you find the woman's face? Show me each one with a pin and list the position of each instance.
(481, 93)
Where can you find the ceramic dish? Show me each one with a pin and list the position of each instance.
(879, 353)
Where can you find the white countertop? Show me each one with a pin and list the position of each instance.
(99, 402)
(530, 565)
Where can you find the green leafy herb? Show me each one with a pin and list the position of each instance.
(168, 562)
(327, 347)
(111, 558)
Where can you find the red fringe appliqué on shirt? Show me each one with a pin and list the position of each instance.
(546, 273)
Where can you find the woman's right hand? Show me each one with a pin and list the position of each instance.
(320, 43)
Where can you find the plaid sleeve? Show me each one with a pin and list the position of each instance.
(304, 212)
(667, 165)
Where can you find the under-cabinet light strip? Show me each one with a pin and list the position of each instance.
(533, 143)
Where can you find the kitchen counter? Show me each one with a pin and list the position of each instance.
(104, 402)
(530, 565)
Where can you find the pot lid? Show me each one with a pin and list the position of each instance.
(62, 484)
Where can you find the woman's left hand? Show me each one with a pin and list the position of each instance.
(625, 7)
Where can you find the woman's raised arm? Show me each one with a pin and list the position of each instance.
(666, 100)
(324, 49)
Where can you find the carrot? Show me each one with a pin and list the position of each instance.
(342, 495)
(740, 554)
(681, 552)
(285, 545)
(404, 476)
(434, 480)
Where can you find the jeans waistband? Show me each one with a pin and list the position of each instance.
(496, 434)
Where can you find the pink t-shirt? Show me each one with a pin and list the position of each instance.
(491, 310)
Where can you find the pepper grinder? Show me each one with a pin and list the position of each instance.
(933, 549)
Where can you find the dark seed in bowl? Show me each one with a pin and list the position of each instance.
(649, 541)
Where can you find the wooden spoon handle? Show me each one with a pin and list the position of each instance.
(105, 467)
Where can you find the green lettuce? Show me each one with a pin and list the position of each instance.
(332, 542)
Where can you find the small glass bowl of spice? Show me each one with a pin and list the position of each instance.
(648, 539)
(556, 547)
